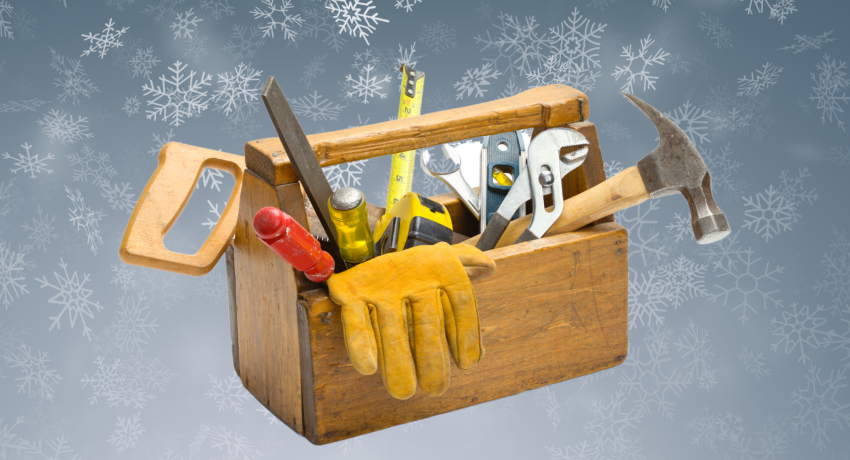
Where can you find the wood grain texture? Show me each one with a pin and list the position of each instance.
(231, 304)
(162, 201)
(266, 295)
(546, 106)
(622, 191)
(555, 309)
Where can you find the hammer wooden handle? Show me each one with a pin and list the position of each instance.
(622, 191)
(542, 107)
(162, 201)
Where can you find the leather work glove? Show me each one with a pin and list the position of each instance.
(404, 312)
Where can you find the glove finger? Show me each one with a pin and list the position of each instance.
(477, 264)
(462, 330)
(397, 369)
(360, 338)
(429, 347)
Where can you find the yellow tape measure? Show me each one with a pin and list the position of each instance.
(410, 104)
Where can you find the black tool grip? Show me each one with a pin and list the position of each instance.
(494, 231)
(526, 236)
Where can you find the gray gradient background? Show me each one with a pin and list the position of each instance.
(192, 339)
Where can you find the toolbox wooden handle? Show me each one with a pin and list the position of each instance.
(622, 191)
(542, 107)
(164, 198)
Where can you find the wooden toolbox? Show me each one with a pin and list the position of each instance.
(555, 309)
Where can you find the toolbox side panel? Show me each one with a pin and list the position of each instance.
(556, 309)
(266, 294)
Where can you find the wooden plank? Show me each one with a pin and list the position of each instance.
(231, 303)
(545, 106)
(266, 295)
(556, 309)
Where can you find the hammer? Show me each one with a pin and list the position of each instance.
(673, 167)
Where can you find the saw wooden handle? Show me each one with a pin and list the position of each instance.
(542, 107)
(622, 191)
(162, 201)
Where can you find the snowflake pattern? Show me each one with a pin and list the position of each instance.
(715, 30)
(316, 108)
(313, 69)
(683, 279)
(29, 163)
(830, 79)
(123, 276)
(548, 400)
(74, 296)
(353, 17)
(819, 406)
(805, 43)
(91, 166)
(344, 174)
(128, 432)
(164, 9)
(779, 10)
(231, 443)
(172, 100)
(406, 4)
(438, 36)
(754, 84)
(647, 60)
(142, 62)
(800, 328)
(697, 351)
(692, 120)
(474, 80)
(839, 154)
(66, 131)
(185, 24)
(131, 105)
(607, 430)
(131, 328)
(753, 362)
(238, 93)
(19, 106)
(85, 218)
(38, 380)
(713, 428)
(288, 22)
(835, 273)
(366, 86)
(647, 299)
(228, 393)
(72, 79)
(749, 285)
(42, 230)
(218, 8)
(101, 43)
(318, 21)
(5, 25)
(774, 211)
(518, 43)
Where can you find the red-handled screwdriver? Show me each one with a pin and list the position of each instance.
(289, 240)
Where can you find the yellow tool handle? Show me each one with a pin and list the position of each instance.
(401, 171)
(164, 198)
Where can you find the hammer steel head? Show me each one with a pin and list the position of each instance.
(675, 166)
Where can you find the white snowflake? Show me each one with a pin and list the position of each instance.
(344, 174)
(715, 30)
(753, 362)
(663, 4)
(159, 142)
(679, 64)
(511, 89)
(830, 79)
(118, 4)
(716, 427)
(173, 101)
(692, 120)
(219, 8)
(10, 442)
(519, 43)
(318, 20)
(38, 380)
(653, 382)
(165, 9)
(407, 57)
(5, 25)
(196, 48)
(42, 230)
(767, 77)
(366, 86)
(353, 17)
(316, 108)
(105, 381)
(776, 210)
(474, 80)
(72, 79)
(439, 36)
(128, 432)
(839, 154)
(722, 167)
(185, 24)
(228, 393)
(213, 286)
(123, 277)
(548, 400)
(19, 106)
(583, 451)
(819, 405)
(804, 42)
(29, 163)
(142, 62)
(835, 274)
(101, 43)
(748, 285)
(349, 445)
(313, 69)
(779, 10)
(698, 353)
(161, 287)
(237, 95)
(683, 279)
(24, 23)
(288, 22)
(610, 423)
(142, 373)
(131, 328)
(66, 131)
(232, 444)
(73, 295)
(800, 328)
(244, 42)
(406, 4)
(85, 218)
(91, 166)
(131, 105)
(647, 299)
(647, 60)
(643, 241)
(213, 210)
